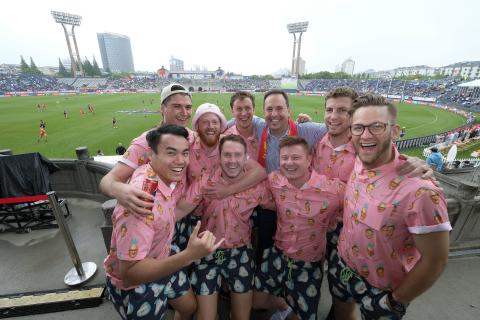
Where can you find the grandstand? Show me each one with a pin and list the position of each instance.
(450, 92)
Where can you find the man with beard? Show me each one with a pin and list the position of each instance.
(335, 155)
(232, 264)
(395, 239)
(210, 122)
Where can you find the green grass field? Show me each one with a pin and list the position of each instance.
(19, 120)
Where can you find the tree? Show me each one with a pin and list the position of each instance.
(96, 69)
(87, 67)
(62, 71)
(24, 67)
(33, 67)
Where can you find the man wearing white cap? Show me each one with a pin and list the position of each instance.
(176, 108)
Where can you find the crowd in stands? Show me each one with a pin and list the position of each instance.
(445, 90)
(31, 82)
(411, 88)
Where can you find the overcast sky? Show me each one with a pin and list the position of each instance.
(250, 37)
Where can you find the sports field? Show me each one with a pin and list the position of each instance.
(20, 118)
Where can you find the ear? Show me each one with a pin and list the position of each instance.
(395, 133)
(150, 154)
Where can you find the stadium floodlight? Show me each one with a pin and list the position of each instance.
(297, 27)
(66, 18)
(294, 28)
(73, 20)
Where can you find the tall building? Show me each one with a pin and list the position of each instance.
(348, 66)
(176, 64)
(301, 66)
(116, 52)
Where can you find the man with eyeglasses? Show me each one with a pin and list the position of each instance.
(395, 239)
(335, 155)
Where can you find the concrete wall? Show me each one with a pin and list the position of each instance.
(80, 178)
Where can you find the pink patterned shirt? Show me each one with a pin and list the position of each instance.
(138, 237)
(229, 218)
(382, 211)
(334, 162)
(252, 143)
(201, 163)
(304, 215)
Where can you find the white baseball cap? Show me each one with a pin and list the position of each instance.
(172, 89)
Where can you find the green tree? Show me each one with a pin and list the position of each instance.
(33, 67)
(87, 67)
(62, 71)
(326, 75)
(96, 69)
(24, 67)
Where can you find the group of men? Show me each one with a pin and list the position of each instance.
(338, 191)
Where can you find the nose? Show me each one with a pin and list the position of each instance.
(180, 158)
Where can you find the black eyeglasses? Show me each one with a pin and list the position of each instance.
(375, 128)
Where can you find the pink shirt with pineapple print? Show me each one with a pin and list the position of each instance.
(138, 237)
(229, 218)
(202, 163)
(381, 213)
(334, 162)
(304, 215)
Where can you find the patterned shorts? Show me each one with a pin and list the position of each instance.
(235, 266)
(183, 230)
(347, 286)
(297, 281)
(149, 301)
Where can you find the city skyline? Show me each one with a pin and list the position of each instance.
(253, 38)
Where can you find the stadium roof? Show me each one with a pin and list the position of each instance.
(471, 84)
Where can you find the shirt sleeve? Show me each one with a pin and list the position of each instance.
(191, 194)
(135, 156)
(427, 211)
(337, 216)
(313, 132)
(133, 236)
(258, 126)
(266, 199)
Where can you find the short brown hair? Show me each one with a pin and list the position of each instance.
(276, 91)
(241, 95)
(294, 141)
(232, 138)
(370, 100)
(340, 92)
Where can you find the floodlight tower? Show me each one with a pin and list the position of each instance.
(72, 20)
(297, 27)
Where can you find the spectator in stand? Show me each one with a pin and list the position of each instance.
(435, 159)
(120, 150)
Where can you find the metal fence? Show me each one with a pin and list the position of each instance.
(426, 140)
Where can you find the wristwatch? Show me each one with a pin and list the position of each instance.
(397, 307)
